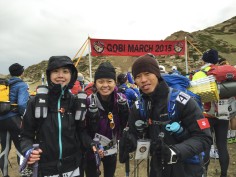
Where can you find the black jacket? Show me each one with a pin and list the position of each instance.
(59, 135)
(198, 140)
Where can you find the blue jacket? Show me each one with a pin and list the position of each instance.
(132, 94)
(19, 95)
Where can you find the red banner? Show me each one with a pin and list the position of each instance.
(109, 47)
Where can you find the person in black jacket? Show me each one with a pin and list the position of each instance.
(171, 151)
(57, 131)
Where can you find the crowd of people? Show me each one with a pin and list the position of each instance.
(69, 128)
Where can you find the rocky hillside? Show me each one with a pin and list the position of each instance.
(221, 37)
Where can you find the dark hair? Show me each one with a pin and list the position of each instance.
(122, 78)
(16, 69)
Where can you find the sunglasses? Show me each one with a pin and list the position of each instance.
(110, 117)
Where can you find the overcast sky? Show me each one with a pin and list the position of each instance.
(34, 30)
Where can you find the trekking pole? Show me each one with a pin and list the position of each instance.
(127, 168)
(23, 167)
(96, 146)
(148, 161)
(36, 164)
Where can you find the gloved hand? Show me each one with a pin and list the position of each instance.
(127, 144)
(164, 152)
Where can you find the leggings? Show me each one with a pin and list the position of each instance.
(9, 131)
(220, 128)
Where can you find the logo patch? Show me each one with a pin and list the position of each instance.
(98, 46)
(203, 123)
(183, 98)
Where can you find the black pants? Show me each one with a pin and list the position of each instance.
(109, 167)
(220, 128)
(9, 131)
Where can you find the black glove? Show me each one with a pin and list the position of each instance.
(127, 144)
(165, 153)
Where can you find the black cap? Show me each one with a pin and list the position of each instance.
(146, 63)
(105, 70)
(16, 69)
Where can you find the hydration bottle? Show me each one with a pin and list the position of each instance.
(174, 127)
(41, 106)
(81, 106)
(178, 131)
(93, 114)
(122, 104)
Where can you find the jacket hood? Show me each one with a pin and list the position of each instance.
(58, 62)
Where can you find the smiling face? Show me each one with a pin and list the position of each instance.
(147, 82)
(105, 86)
(60, 76)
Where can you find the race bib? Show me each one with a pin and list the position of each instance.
(76, 172)
(183, 98)
(226, 108)
(142, 150)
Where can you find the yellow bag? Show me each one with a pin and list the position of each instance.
(4, 90)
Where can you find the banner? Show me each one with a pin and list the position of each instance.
(109, 47)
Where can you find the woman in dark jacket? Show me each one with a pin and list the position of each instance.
(56, 131)
(105, 125)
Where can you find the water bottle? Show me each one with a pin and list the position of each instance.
(94, 115)
(174, 127)
(81, 106)
(41, 106)
(122, 104)
(178, 131)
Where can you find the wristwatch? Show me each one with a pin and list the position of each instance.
(173, 157)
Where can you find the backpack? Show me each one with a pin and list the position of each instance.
(181, 83)
(76, 88)
(4, 90)
(173, 113)
(5, 105)
(89, 88)
(223, 73)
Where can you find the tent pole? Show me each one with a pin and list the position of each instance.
(90, 61)
(186, 54)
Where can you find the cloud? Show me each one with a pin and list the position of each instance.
(32, 30)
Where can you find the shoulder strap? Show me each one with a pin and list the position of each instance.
(172, 95)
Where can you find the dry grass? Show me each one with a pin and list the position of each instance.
(214, 169)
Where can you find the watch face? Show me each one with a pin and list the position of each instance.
(174, 158)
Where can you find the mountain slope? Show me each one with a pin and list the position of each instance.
(221, 37)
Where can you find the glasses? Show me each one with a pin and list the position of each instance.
(110, 117)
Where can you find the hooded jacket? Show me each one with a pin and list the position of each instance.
(59, 134)
(188, 113)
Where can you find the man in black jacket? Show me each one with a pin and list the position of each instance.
(154, 118)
